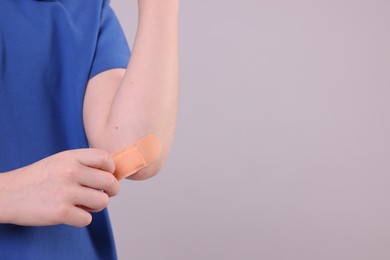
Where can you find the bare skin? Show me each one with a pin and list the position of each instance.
(143, 98)
(60, 189)
(64, 188)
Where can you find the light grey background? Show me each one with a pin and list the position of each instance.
(282, 147)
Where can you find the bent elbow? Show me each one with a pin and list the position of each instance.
(148, 172)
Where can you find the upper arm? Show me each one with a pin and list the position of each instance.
(99, 94)
(110, 60)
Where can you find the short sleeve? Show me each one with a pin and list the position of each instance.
(112, 50)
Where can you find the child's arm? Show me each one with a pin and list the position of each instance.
(121, 106)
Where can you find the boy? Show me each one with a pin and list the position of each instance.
(67, 102)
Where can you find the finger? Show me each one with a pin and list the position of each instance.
(96, 158)
(78, 217)
(99, 180)
(91, 199)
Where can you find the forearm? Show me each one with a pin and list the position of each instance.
(6, 179)
(146, 100)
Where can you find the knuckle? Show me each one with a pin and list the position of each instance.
(104, 200)
(67, 172)
(113, 186)
(112, 181)
(101, 202)
(103, 157)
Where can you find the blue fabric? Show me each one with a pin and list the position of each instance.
(48, 52)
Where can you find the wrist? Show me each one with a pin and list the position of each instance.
(159, 6)
(165, 2)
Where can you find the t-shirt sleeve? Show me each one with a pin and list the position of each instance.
(112, 50)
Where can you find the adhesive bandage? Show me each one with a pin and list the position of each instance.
(136, 156)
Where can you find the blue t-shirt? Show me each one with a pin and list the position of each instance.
(49, 49)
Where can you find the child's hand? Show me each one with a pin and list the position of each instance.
(60, 189)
